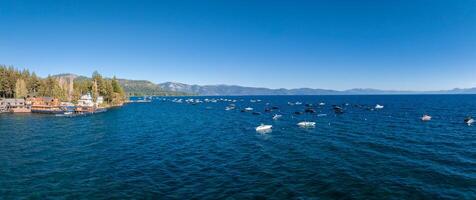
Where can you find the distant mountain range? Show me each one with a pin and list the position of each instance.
(133, 87)
(143, 87)
(212, 90)
(146, 88)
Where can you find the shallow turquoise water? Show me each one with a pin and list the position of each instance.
(180, 151)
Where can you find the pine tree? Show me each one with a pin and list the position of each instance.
(20, 89)
(33, 84)
(109, 96)
(94, 90)
(116, 86)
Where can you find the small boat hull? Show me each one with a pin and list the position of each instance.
(263, 128)
(47, 111)
(307, 124)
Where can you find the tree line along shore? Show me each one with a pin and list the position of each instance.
(22, 91)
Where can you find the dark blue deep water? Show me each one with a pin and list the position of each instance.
(167, 150)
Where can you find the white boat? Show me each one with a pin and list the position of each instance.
(322, 104)
(426, 118)
(298, 103)
(249, 109)
(306, 124)
(263, 127)
(276, 116)
(378, 106)
(470, 121)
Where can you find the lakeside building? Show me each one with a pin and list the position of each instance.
(99, 101)
(3, 105)
(46, 105)
(85, 101)
(87, 105)
(15, 105)
(49, 105)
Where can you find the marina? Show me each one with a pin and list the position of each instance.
(49, 105)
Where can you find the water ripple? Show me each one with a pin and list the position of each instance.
(181, 151)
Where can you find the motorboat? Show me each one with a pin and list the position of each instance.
(378, 106)
(426, 118)
(248, 109)
(263, 127)
(338, 110)
(306, 124)
(310, 110)
(276, 116)
(469, 121)
(230, 107)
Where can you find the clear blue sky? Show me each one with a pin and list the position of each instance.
(416, 45)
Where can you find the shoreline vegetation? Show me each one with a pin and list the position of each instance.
(22, 91)
(15, 83)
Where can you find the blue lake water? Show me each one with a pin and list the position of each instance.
(170, 150)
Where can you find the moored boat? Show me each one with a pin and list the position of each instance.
(263, 127)
(469, 121)
(276, 116)
(426, 118)
(306, 124)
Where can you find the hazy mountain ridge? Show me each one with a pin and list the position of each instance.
(213, 90)
(144, 87)
(132, 87)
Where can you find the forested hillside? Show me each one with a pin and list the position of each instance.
(15, 83)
